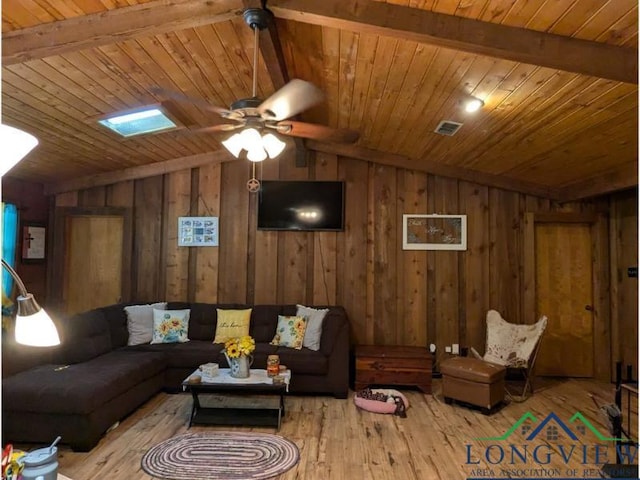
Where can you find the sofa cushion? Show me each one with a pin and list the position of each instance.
(290, 331)
(191, 354)
(85, 336)
(313, 333)
(140, 322)
(264, 319)
(232, 324)
(117, 320)
(81, 388)
(170, 326)
(303, 361)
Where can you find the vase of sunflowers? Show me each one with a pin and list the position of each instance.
(238, 353)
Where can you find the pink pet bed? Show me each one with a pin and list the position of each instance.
(379, 400)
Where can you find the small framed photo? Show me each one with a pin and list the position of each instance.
(434, 232)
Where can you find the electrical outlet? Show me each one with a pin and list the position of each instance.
(455, 349)
(432, 348)
(447, 349)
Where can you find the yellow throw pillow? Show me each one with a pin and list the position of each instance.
(290, 331)
(232, 324)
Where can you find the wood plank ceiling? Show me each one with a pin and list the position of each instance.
(558, 78)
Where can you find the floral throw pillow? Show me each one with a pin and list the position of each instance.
(170, 326)
(290, 331)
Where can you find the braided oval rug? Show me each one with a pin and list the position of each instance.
(221, 455)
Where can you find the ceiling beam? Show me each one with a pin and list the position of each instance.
(142, 171)
(623, 177)
(115, 25)
(434, 168)
(458, 33)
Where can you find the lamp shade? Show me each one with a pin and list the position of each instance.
(33, 325)
(234, 144)
(273, 145)
(15, 145)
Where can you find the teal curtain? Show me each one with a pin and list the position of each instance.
(9, 243)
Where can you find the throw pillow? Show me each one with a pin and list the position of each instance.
(170, 326)
(290, 331)
(140, 322)
(232, 324)
(313, 333)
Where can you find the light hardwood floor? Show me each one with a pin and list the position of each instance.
(338, 441)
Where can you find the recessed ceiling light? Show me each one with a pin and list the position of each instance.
(138, 122)
(473, 105)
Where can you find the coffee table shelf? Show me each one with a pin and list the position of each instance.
(269, 413)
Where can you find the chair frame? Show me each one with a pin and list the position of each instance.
(527, 372)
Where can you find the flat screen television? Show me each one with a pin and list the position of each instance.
(301, 205)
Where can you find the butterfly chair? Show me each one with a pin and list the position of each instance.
(514, 347)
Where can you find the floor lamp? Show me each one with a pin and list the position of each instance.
(34, 327)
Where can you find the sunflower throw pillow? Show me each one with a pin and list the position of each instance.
(290, 331)
(170, 326)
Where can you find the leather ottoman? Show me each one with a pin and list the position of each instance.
(473, 381)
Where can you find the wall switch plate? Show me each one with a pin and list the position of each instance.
(447, 349)
(455, 349)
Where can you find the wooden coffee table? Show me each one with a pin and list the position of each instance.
(265, 413)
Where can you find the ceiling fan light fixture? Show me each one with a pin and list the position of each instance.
(234, 144)
(256, 154)
(473, 105)
(251, 139)
(273, 145)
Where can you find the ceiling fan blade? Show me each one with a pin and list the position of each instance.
(295, 97)
(317, 132)
(179, 97)
(223, 127)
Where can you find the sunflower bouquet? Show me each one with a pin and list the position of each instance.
(235, 347)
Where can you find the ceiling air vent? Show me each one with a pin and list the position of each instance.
(447, 127)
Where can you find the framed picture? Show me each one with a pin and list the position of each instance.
(197, 231)
(434, 232)
(33, 242)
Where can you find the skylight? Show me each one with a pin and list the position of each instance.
(136, 123)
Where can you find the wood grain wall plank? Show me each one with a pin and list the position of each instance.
(384, 241)
(176, 259)
(266, 249)
(148, 236)
(206, 287)
(446, 275)
(475, 268)
(351, 284)
(412, 264)
(504, 254)
(234, 221)
(325, 243)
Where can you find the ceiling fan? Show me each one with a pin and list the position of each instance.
(254, 115)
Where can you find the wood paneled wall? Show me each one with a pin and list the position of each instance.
(392, 296)
(624, 289)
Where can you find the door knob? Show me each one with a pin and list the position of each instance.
(588, 308)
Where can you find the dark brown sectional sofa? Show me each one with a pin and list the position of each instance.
(93, 379)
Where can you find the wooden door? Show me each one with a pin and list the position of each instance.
(91, 258)
(564, 293)
(93, 273)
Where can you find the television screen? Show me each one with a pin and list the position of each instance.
(301, 205)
